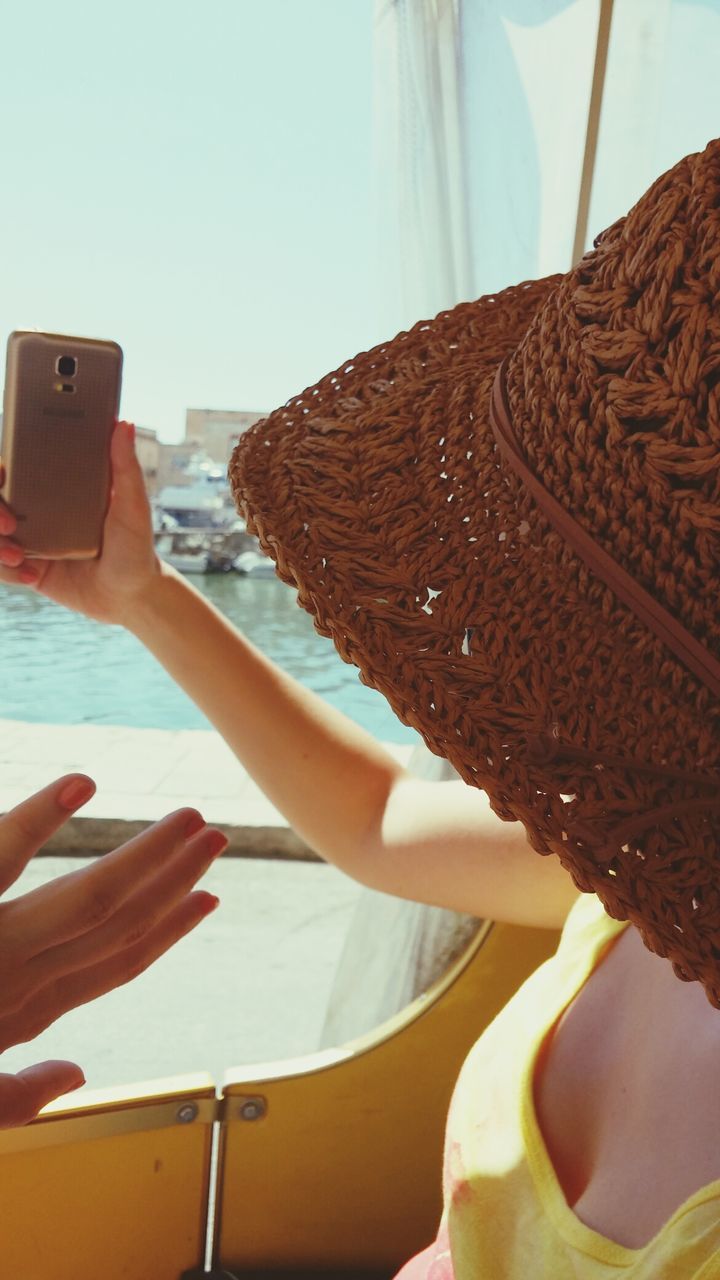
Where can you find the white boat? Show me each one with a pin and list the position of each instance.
(254, 565)
(204, 501)
(162, 521)
(188, 562)
(179, 550)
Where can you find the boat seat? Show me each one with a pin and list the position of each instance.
(326, 1165)
(115, 1187)
(289, 1273)
(333, 1161)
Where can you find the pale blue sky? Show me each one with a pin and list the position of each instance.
(193, 181)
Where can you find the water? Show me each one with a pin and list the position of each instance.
(59, 668)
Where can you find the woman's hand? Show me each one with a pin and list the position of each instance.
(107, 587)
(90, 931)
(27, 1092)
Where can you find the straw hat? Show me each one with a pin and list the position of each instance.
(508, 519)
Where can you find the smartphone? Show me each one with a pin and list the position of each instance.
(62, 398)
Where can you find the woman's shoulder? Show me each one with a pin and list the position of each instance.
(588, 926)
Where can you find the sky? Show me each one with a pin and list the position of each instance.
(196, 181)
(192, 181)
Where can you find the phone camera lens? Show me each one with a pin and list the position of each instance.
(67, 366)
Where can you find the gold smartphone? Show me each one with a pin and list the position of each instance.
(62, 397)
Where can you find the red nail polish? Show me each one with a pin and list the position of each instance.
(76, 793)
(216, 842)
(194, 824)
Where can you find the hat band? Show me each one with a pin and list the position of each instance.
(685, 646)
(548, 749)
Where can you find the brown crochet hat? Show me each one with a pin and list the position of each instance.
(508, 519)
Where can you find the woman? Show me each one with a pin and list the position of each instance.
(507, 518)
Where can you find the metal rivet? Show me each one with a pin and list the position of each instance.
(253, 1109)
(187, 1113)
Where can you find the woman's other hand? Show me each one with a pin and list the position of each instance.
(85, 933)
(107, 587)
(24, 1094)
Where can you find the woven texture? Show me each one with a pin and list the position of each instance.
(383, 499)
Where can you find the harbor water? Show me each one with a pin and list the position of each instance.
(59, 668)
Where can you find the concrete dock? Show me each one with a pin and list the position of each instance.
(252, 982)
(142, 774)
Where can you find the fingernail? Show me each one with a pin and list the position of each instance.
(194, 824)
(130, 426)
(214, 903)
(76, 793)
(28, 576)
(216, 842)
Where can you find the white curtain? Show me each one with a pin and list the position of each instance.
(661, 100)
(420, 168)
(481, 124)
(394, 949)
(480, 121)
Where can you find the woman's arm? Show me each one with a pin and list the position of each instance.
(436, 842)
(353, 803)
(328, 777)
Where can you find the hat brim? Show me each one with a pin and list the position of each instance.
(349, 487)
(382, 497)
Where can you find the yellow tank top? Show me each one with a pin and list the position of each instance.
(506, 1217)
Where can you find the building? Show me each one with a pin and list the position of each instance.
(173, 464)
(148, 449)
(210, 432)
(217, 431)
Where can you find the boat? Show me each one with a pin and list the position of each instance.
(162, 521)
(215, 549)
(197, 529)
(254, 564)
(184, 550)
(204, 500)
